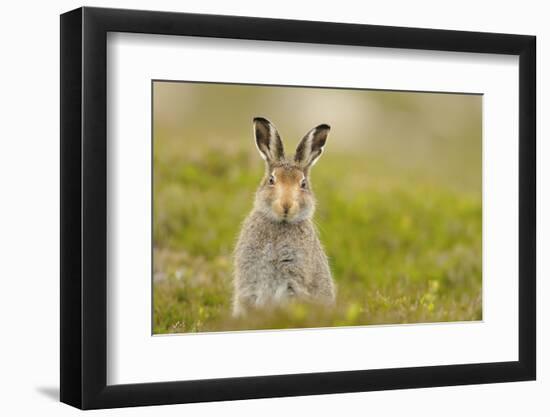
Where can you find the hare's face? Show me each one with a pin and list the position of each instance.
(284, 194)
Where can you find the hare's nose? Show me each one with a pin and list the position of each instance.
(286, 207)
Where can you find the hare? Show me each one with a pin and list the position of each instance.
(278, 256)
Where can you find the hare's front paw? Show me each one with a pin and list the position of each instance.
(295, 291)
(291, 292)
(243, 303)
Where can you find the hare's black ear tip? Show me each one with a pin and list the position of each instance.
(260, 120)
(324, 126)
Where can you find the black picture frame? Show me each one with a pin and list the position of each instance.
(84, 207)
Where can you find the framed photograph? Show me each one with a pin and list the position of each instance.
(256, 208)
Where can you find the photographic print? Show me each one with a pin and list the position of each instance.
(284, 207)
(362, 214)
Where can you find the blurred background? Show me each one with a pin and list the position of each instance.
(398, 190)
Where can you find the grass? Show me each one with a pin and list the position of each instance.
(404, 243)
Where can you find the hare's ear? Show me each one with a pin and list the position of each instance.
(268, 140)
(311, 146)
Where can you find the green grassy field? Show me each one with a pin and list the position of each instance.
(401, 250)
(403, 234)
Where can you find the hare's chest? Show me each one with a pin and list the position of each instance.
(284, 258)
(284, 270)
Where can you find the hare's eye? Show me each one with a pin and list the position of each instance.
(271, 180)
(303, 184)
